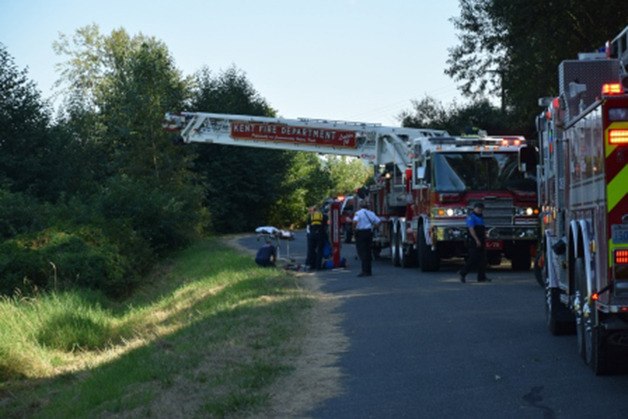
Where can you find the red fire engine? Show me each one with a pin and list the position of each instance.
(426, 181)
(426, 205)
(376, 144)
(583, 179)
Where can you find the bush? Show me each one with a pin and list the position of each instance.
(165, 217)
(19, 214)
(63, 259)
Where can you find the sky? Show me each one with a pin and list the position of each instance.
(353, 60)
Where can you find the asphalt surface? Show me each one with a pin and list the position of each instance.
(424, 345)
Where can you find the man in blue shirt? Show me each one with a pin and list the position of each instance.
(475, 244)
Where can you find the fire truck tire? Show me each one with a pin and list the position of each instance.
(348, 232)
(592, 342)
(377, 251)
(401, 251)
(558, 318)
(597, 347)
(428, 258)
(395, 247)
(539, 268)
(521, 258)
(581, 287)
(493, 258)
(409, 256)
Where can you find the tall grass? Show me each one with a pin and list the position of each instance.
(208, 321)
(35, 334)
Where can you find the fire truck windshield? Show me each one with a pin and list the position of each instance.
(464, 171)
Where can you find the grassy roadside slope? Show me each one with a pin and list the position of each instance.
(206, 338)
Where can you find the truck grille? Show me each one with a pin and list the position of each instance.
(497, 212)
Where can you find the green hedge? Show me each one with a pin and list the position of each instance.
(56, 259)
(19, 214)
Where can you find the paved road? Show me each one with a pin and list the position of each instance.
(425, 345)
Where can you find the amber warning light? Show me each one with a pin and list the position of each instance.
(618, 137)
(612, 89)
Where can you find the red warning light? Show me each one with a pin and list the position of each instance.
(621, 257)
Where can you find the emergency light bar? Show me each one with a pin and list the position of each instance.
(618, 136)
(503, 141)
(510, 142)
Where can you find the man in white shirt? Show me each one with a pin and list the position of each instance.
(364, 221)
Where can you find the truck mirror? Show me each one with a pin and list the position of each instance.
(528, 159)
(420, 173)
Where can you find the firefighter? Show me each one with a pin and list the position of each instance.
(364, 221)
(475, 244)
(316, 225)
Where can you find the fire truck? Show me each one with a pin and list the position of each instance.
(375, 144)
(583, 179)
(425, 181)
(426, 206)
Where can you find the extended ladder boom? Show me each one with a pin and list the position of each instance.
(373, 142)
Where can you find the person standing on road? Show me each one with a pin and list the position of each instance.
(475, 244)
(316, 227)
(364, 221)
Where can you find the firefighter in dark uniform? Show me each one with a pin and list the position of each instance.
(316, 225)
(475, 244)
(266, 255)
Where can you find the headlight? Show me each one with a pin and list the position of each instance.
(529, 211)
(449, 212)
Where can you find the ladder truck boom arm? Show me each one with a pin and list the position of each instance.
(372, 142)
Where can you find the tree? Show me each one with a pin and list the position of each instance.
(427, 113)
(512, 49)
(127, 84)
(460, 119)
(347, 174)
(482, 54)
(24, 120)
(306, 183)
(242, 184)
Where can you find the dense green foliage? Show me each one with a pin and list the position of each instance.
(511, 48)
(23, 129)
(94, 197)
(91, 199)
(249, 187)
(459, 119)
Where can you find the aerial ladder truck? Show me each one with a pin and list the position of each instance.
(376, 144)
(425, 181)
